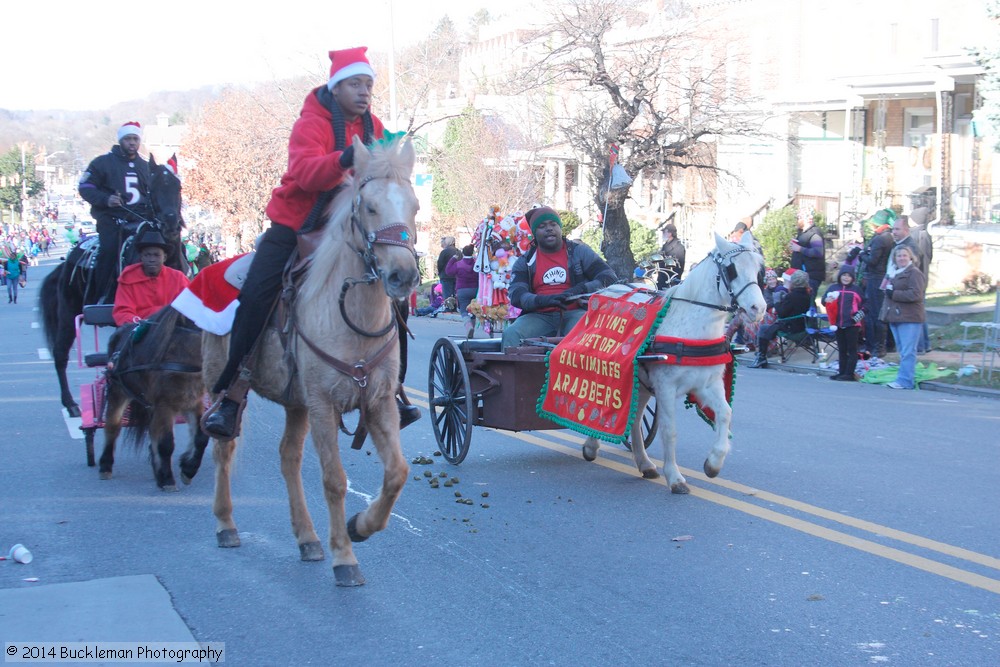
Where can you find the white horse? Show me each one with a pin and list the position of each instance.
(723, 282)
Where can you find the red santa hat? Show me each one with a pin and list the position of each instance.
(131, 127)
(347, 63)
(210, 301)
(787, 275)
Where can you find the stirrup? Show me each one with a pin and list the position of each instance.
(212, 409)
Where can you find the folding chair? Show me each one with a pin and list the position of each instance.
(824, 337)
(818, 338)
(790, 342)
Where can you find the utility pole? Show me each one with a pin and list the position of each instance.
(393, 110)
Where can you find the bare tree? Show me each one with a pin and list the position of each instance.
(616, 74)
(473, 170)
(239, 151)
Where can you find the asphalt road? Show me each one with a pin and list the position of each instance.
(852, 525)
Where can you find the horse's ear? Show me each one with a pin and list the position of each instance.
(152, 161)
(720, 242)
(172, 165)
(747, 240)
(408, 153)
(361, 153)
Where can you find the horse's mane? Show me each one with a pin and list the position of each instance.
(385, 161)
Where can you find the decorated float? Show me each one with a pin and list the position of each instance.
(499, 241)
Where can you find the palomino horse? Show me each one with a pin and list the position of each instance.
(345, 355)
(156, 367)
(64, 291)
(726, 280)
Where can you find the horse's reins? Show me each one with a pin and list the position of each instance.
(169, 366)
(397, 234)
(722, 277)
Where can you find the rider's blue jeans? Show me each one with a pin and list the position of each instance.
(907, 335)
(536, 325)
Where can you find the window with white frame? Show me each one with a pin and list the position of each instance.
(918, 126)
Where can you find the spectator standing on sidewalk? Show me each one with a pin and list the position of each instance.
(809, 250)
(448, 250)
(904, 311)
(466, 285)
(844, 301)
(875, 258)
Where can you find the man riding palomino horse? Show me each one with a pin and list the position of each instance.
(116, 185)
(320, 158)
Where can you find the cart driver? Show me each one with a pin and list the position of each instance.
(547, 281)
(147, 286)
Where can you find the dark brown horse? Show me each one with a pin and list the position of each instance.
(155, 371)
(64, 291)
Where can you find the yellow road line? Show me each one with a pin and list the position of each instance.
(837, 537)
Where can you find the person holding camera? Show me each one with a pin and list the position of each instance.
(808, 250)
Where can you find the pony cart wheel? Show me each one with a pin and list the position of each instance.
(647, 424)
(88, 438)
(450, 397)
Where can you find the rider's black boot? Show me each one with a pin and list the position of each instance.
(223, 422)
(407, 413)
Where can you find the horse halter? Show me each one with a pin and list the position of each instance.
(397, 234)
(726, 274)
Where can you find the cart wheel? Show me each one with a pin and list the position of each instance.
(647, 427)
(88, 438)
(450, 397)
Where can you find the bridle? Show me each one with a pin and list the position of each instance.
(725, 274)
(397, 234)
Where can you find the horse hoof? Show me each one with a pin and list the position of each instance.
(185, 479)
(74, 411)
(171, 488)
(228, 538)
(348, 575)
(680, 488)
(589, 454)
(710, 471)
(105, 474)
(650, 474)
(311, 551)
(352, 530)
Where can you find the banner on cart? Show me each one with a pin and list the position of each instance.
(591, 381)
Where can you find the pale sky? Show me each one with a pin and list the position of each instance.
(68, 54)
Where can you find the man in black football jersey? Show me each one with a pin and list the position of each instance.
(116, 185)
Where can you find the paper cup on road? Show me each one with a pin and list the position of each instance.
(20, 553)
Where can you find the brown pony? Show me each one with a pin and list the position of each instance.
(344, 355)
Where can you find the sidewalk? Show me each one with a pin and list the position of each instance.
(800, 362)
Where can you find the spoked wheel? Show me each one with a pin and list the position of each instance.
(647, 425)
(450, 397)
(88, 437)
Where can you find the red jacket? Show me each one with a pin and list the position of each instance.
(139, 296)
(313, 165)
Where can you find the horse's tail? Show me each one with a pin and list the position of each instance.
(48, 304)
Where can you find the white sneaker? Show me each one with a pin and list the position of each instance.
(896, 385)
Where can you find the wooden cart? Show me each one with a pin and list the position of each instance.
(472, 383)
